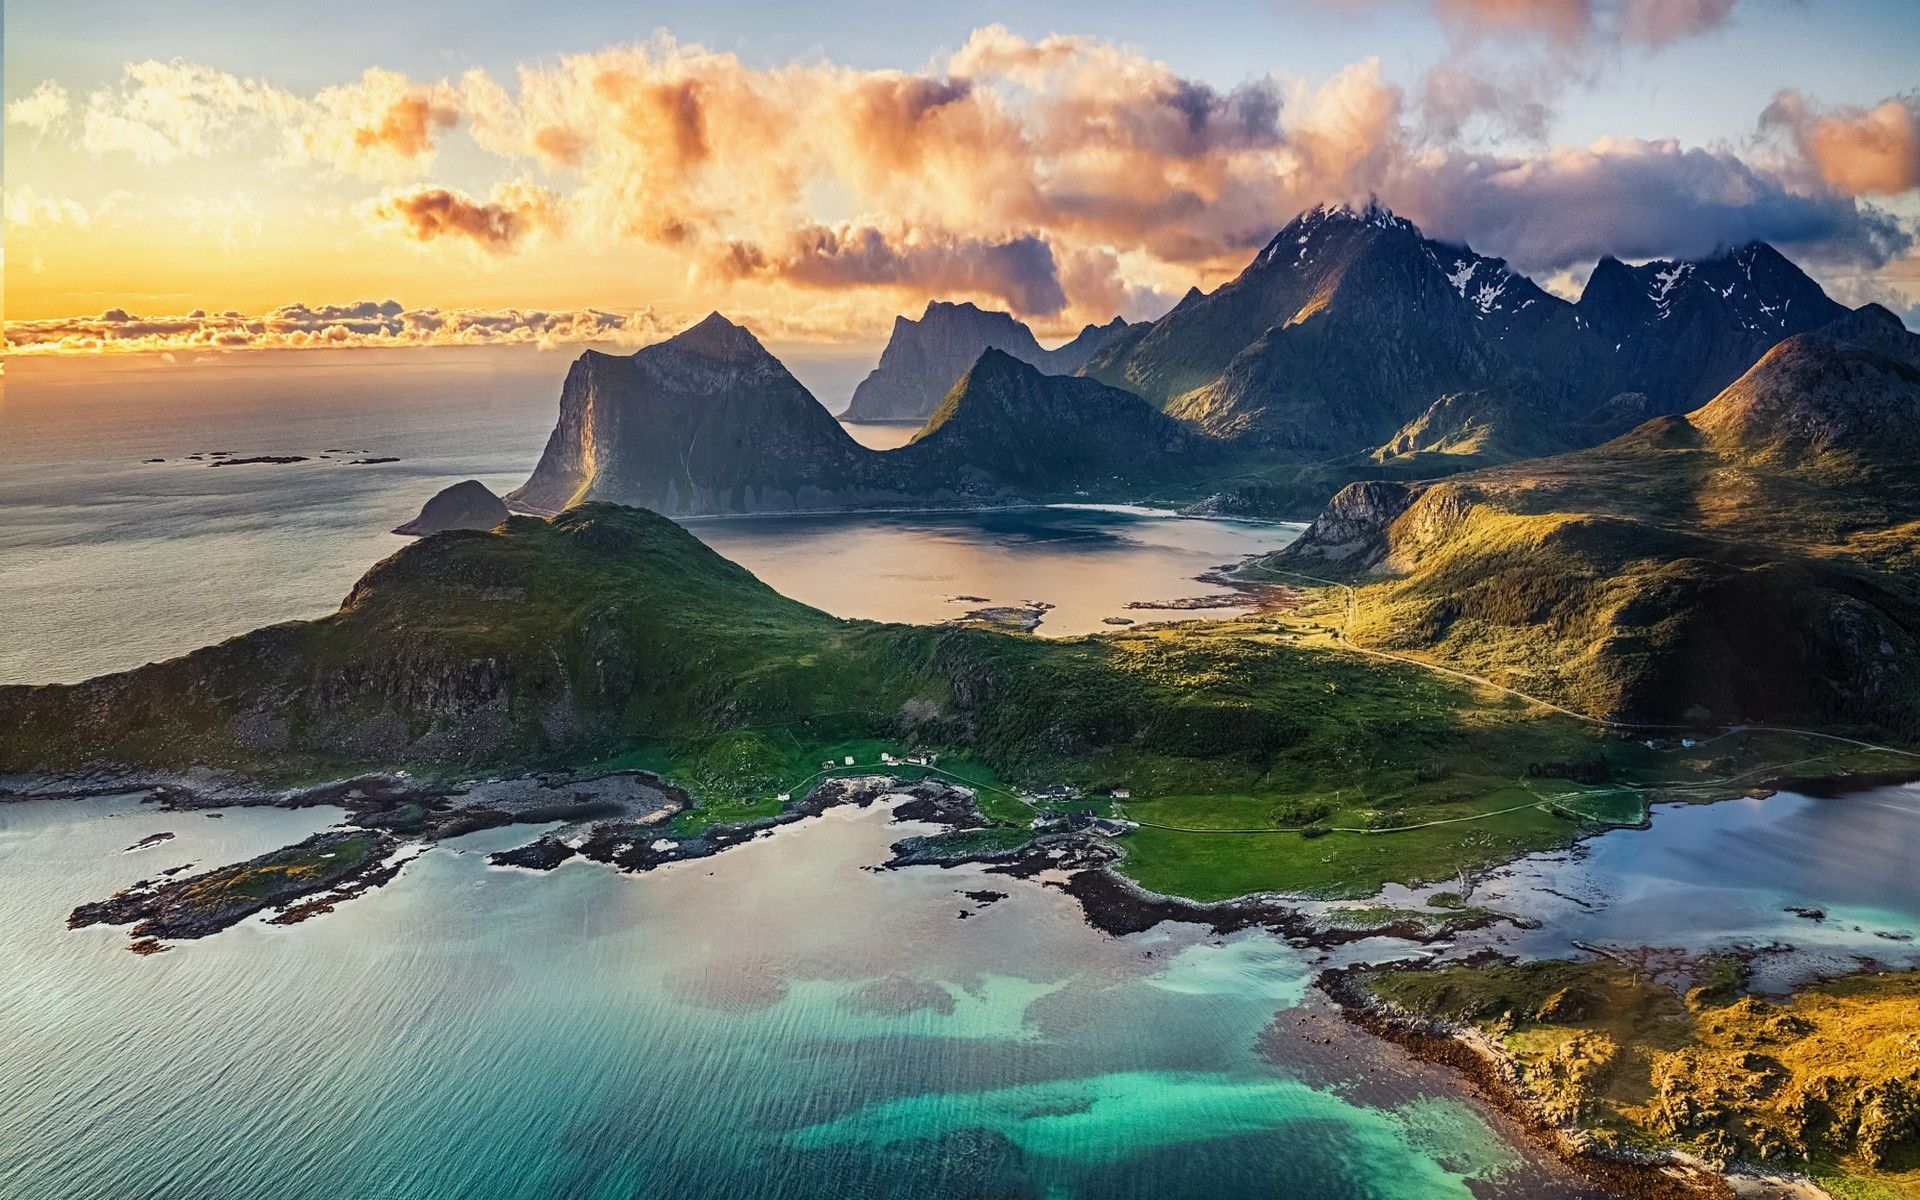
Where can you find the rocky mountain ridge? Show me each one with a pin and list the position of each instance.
(708, 422)
(924, 358)
(1754, 559)
(1351, 325)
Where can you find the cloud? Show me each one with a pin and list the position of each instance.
(369, 323)
(163, 111)
(1650, 23)
(1658, 22)
(1019, 271)
(1560, 20)
(1857, 151)
(42, 108)
(1631, 198)
(512, 213)
(27, 208)
(1063, 177)
(1509, 61)
(1453, 96)
(382, 125)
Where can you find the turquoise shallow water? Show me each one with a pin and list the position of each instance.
(777, 1021)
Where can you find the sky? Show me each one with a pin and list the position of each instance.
(267, 175)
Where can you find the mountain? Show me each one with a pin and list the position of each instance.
(708, 422)
(1815, 405)
(705, 422)
(465, 505)
(1347, 326)
(1068, 429)
(1352, 333)
(923, 358)
(1756, 559)
(1681, 331)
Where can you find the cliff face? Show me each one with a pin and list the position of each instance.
(923, 359)
(705, 422)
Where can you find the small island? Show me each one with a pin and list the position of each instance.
(469, 504)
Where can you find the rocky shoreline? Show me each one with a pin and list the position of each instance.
(1657, 1172)
(1639, 1174)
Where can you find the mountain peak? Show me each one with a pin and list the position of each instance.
(717, 338)
(958, 308)
(1299, 242)
(1814, 395)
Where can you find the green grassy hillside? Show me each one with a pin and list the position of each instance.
(611, 637)
(1750, 561)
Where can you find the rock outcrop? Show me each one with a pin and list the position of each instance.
(465, 505)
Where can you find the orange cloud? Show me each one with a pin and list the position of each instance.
(1019, 271)
(1065, 177)
(513, 212)
(380, 126)
(1858, 151)
(1566, 20)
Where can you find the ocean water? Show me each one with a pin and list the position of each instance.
(1727, 876)
(1807, 887)
(108, 561)
(1088, 562)
(777, 1021)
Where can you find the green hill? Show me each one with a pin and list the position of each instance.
(1752, 560)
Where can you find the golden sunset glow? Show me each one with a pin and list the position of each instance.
(1065, 178)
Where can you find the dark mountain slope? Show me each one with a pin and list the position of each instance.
(707, 421)
(1347, 326)
(1681, 331)
(1069, 429)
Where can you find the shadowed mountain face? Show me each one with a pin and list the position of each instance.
(1682, 331)
(1029, 431)
(1347, 326)
(705, 422)
(708, 422)
(1352, 332)
(1755, 559)
(924, 358)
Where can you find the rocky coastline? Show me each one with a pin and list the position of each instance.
(1492, 1073)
